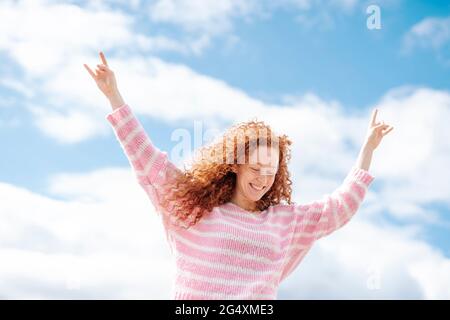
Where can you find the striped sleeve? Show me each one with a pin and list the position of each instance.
(151, 166)
(145, 158)
(320, 218)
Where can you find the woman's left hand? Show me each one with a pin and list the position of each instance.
(376, 131)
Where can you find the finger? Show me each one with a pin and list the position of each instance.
(389, 130)
(381, 125)
(102, 56)
(90, 71)
(374, 117)
(102, 67)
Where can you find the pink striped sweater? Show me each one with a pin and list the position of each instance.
(232, 253)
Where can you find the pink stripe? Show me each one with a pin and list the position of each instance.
(252, 222)
(294, 260)
(120, 113)
(219, 273)
(133, 146)
(201, 285)
(189, 296)
(215, 242)
(135, 143)
(127, 128)
(225, 259)
(234, 230)
(236, 221)
(145, 157)
(284, 239)
(298, 239)
(309, 228)
(350, 201)
(358, 190)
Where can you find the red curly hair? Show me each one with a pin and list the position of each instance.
(210, 181)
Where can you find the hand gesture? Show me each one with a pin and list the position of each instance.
(104, 77)
(376, 131)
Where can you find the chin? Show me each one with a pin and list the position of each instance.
(253, 198)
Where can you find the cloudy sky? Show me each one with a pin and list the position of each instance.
(75, 224)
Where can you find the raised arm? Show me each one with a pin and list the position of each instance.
(148, 162)
(322, 217)
(319, 218)
(150, 165)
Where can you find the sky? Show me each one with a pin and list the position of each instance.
(74, 224)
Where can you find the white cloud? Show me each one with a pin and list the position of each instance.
(17, 86)
(320, 15)
(412, 161)
(408, 163)
(210, 17)
(52, 33)
(66, 128)
(88, 229)
(430, 33)
(100, 238)
(55, 235)
(369, 261)
(51, 45)
(105, 243)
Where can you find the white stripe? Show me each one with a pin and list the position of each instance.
(223, 266)
(299, 246)
(226, 251)
(132, 135)
(153, 158)
(302, 234)
(347, 212)
(232, 236)
(237, 226)
(340, 220)
(254, 216)
(361, 184)
(221, 281)
(123, 121)
(149, 164)
(275, 225)
(221, 296)
(273, 213)
(141, 149)
(293, 260)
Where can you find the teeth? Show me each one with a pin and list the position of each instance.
(257, 188)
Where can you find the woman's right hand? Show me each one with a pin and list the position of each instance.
(104, 78)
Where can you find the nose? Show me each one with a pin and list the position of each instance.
(262, 179)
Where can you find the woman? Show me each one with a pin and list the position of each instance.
(231, 225)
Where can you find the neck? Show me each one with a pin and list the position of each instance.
(244, 203)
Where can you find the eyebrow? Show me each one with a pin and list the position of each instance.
(263, 165)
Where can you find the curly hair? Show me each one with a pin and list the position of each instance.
(211, 180)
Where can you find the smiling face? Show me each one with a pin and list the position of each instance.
(255, 177)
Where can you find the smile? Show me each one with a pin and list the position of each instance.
(256, 188)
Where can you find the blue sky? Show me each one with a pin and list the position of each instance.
(310, 68)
